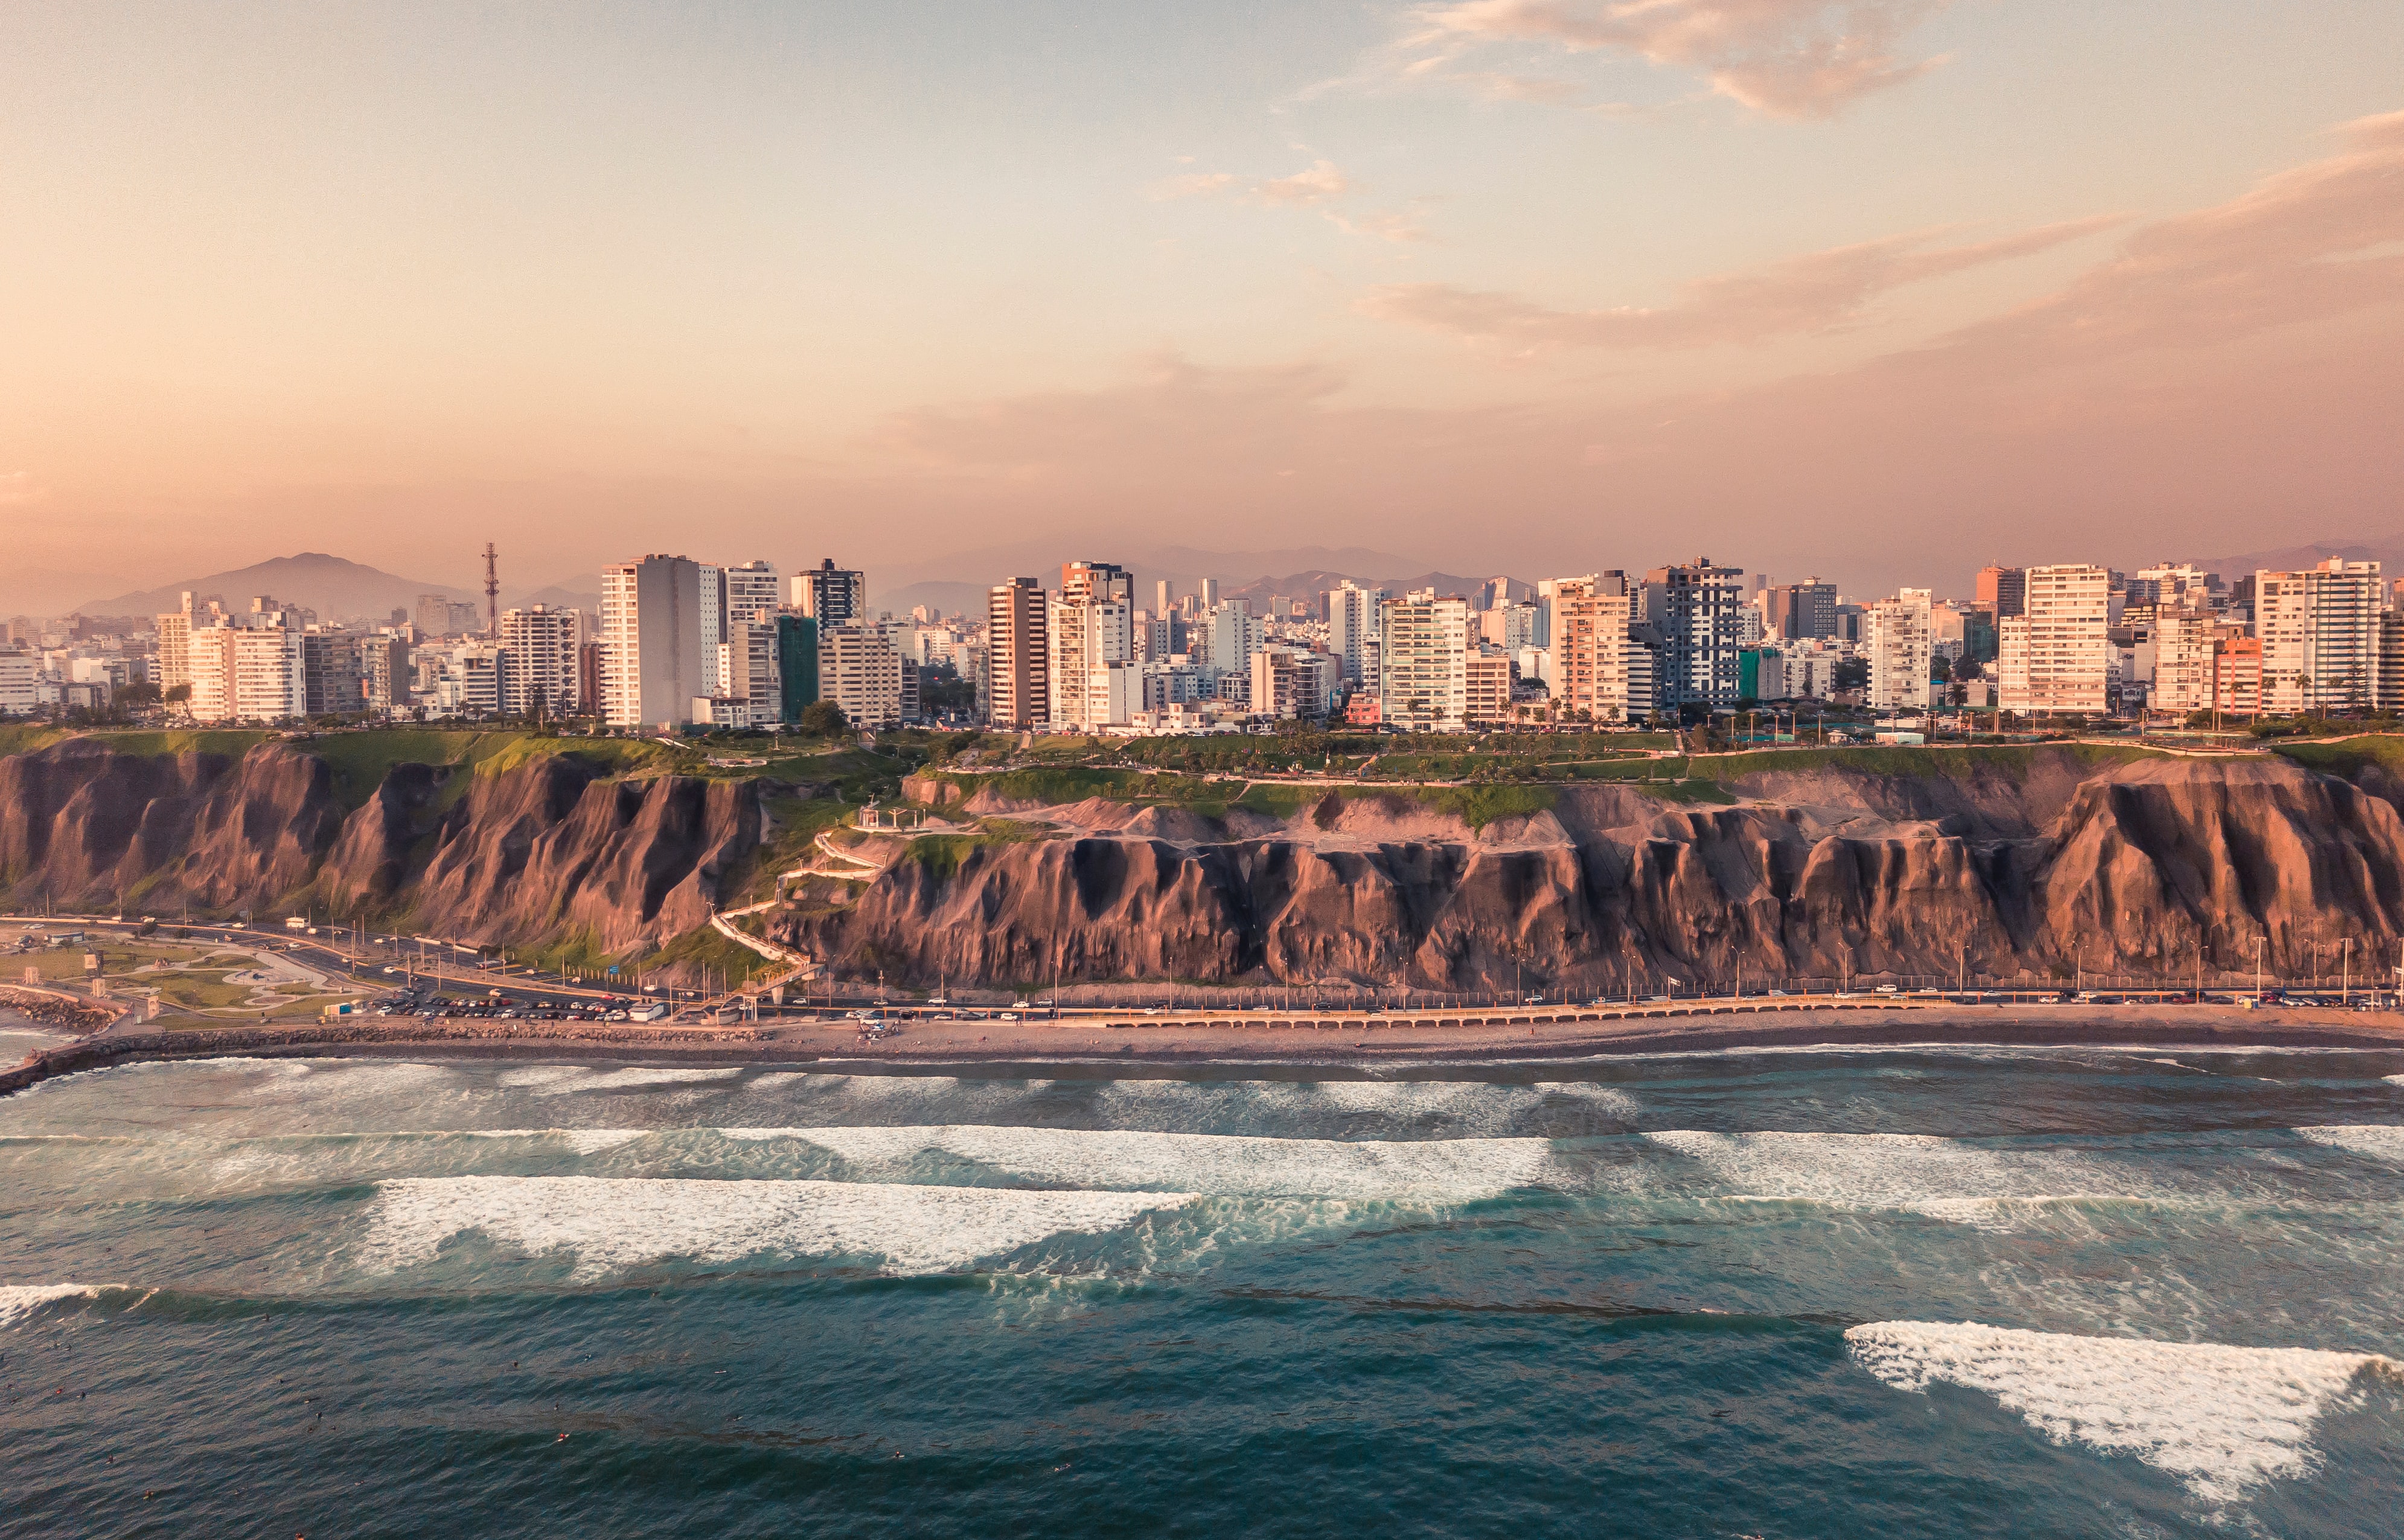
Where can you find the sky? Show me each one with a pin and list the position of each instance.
(1880, 290)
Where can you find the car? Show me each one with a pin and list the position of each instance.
(616, 1015)
(392, 970)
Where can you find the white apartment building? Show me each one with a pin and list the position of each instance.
(860, 672)
(2319, 631)
(2184, 639)
(1085, 640)
(1231, 634)
(1895, 634)
(544, 646)
(18, 673)
(1354, 620)
(653, 657)
(1589, 652)
(1290, 682)
(1424, 659)
(245, 673)
(2056, 656)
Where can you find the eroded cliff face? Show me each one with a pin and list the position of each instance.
(540, 851)
(2131, 868)
(1999, 870)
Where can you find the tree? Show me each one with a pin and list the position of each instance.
(1966, 669)
(824, 719)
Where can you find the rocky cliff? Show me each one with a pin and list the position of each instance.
(2033, 866)
(536, 852)
(2029, 864)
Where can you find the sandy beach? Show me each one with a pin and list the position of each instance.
(1195, 1048)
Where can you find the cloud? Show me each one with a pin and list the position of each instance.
(1796, 59)
(1320, 186)
(1801, 296)
(1198, 184)
(2311, 244)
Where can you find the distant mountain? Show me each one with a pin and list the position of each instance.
(334, 588)
(2388, 553)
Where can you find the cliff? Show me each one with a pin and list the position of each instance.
(2023, 864)
(2034, 865)
(545, 849)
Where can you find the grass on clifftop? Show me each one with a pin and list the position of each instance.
(2347, 757)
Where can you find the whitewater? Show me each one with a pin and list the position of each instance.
(1826, 1293)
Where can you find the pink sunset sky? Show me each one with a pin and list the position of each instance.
(1880, 289)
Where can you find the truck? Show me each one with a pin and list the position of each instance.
(653, 1011)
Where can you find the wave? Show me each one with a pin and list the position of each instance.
(2221, 1419)
(610, 1223)
(565, 1079)
(2376, 1141)
(20, 1300)
(1451, 1169)
(1916, 1173)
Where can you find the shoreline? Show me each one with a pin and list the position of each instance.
(1347, 1049)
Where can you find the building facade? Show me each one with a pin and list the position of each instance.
(545, 647)
(2055, 655)
(655, 659)
(1424, 662)
(1898, 638)
(1018, 685)
(2319, 631)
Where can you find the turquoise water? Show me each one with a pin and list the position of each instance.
(1788, 1293)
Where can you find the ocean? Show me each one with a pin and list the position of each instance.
(1806, 1292)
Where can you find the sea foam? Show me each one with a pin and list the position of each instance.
(1916, 1173)
(2221, 1419)
(2376, 1141)
(619, 1222)
(561, 1080)
(1441, 1170)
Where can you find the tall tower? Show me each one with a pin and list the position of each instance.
(492, 592)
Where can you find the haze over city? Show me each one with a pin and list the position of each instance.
(1883, 291)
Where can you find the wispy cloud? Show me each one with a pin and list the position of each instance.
(1800, 295)
(2311, 244)
(1321, 187)
(1796, 59)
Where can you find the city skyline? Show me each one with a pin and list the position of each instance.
(1821, 282)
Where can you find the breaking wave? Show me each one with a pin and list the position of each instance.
(2221, 1419)
(1443, 1170)
(610, 1223)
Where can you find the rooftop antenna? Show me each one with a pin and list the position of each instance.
(492, 591)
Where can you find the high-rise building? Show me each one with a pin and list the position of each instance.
(1424, 662)
(2237, 676)
(1293, 683)
(1231, 634)
(752, 588)
(859, 670)
(1085, 638)
(2055, 655)
(797, 666)
(1354, 619)
(830, 594)
(383, 670)
(1486, 687)
(248, 673)
(2003, 591)
(333, 674)
(655, 659)
(2185, 639)
(176, 646)
(1098, 583)
(545, 648)
(2319, 631)
(1698, 610)
(1208, 598)
(1589, 653)
(1020, 689)
(1161, 603)
(1799, 610)
(1897, 639)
